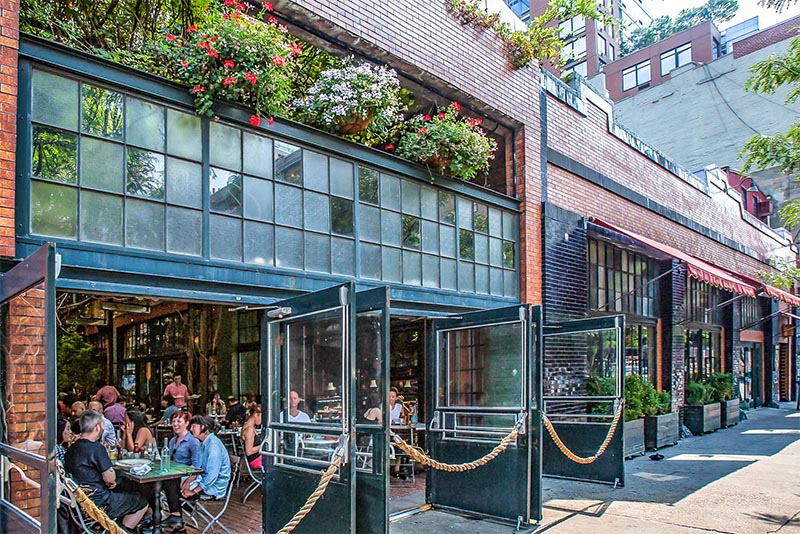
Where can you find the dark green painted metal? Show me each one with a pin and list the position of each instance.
(14, 522)
(286, 490)
(509, 487)
(372, 489)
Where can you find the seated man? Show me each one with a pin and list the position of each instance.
(212, 458)
(295, 414)
(168, 405)
(88, 463)
(236, 413)
(109, 436)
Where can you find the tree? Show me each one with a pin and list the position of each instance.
(662, 27)
(77, 370)
(777, 5)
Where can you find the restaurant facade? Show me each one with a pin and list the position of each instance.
(280, 258)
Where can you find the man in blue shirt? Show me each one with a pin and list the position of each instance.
(212, 458)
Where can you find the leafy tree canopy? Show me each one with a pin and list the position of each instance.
(662, 27)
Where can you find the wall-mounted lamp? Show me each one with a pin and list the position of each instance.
(126, 308)
(280, 312)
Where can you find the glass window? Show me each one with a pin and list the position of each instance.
(259, 241)
(54, 155)
(636, 75)
(257, 155)
(144, 224)
(102, 165)
(288, 163)
(184, 183)
(411, 232)
(145, 124)
(225, 237)
(101, 218)
(54, 210)
(573, 26)
(145, 174)
(258, 199)
(315, 171)
(184, 231)
(225, 188)
(640, 352)
(368, 185)
(342, 216)
(54, 100)
(601, 45)
(225, 146)
(341, 178)
(574, 49)
(184, 137)
(447, 207)
(593, 364)
(101, 112)
(677, 57)
(621, 281)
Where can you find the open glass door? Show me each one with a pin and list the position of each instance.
(28, 394)
(485, 372)
(583, 387)
(309, 387)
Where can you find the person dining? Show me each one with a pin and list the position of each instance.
(168, 405)
(373, 413)
(395, 407)
(178, 391)
(295, 414)
(88, 463)
(216, 406)
(64, 437)
(250, 437)
(212, 458)
(236, 412)
(109, 434)
(136, 434)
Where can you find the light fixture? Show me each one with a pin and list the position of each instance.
(125, 308)
(373, 384)
(280, 312)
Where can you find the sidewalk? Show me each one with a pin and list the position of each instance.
(740, 480)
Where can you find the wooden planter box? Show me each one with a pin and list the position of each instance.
(660, 430)
(633, 436)
(729, 410)
(702, 419)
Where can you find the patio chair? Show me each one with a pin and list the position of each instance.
(84, 523)
(197, 509)
(255, 475)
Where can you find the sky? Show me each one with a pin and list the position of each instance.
(747, 10)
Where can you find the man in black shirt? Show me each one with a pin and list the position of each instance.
(236, 412)
(88, 463)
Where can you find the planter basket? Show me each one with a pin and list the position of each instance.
(439, 161)
(702, 419)
(661, 430)
(354, 125)
(730, 412)
(633, 438)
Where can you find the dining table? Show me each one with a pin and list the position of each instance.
(156, 477)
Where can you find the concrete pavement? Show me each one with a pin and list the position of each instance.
(740, 480)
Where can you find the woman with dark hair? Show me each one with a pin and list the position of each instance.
(373, 413)
(136, 434)
(63, 438)
(250, 437)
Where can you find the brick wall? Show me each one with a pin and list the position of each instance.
(9, 46)
(426, 44)
(767, 37)
(565, 280)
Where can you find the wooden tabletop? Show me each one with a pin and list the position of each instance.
(175, 470)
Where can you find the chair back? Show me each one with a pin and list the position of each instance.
(234, 474)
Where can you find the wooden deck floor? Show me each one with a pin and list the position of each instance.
(239, 518)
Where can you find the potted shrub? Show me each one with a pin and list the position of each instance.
(447, 143)
(701, 415)
(362, 102)
(633, 433)
(722, 388)
(660, 422)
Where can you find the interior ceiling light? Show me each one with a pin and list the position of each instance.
(123, 307)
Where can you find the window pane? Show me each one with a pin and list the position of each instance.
(54, 209)
(101, 218)
(226, 191)
(508, 254)
(368, 185)
(184, 231)
(257, 199)
(144, 124)
(288, 163)
(371, 261)
(480, 218)
(412, 268)
(411, 237)
(341, 216)
(318, 252)
(466, 245)
(667, 62)
(317, 211)
(430, 237)
(430, 271)
(184, 183)
(315, 171)
(684, 55)
(102, 165)
(145, 174)
(144, 224)
(482, 279)
(55, 155)
(257, 154)
(481, 248)
(390, 259)
(495, 252)
(289, 248)
(628, 79)
(390, 228)
(102, 112)
(447, 240)
(510, 226)
(369, 223)
(343, 256)
(465, 208)
(466, 276)
(55, 100)
(225, 237)
(448, 278)
(259, 242)
(341, 178)
(643, 73)
(183, 135)
(411, 192)
(430, 203)
(288, 205)
(495, 281)
(225, 146)
(390, 192)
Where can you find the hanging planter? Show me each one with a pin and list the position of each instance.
(355, 124)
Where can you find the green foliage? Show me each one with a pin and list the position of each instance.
(76, 368)
(448, 143)
(664, 400)
(233, 56)
(601, 386)
(696, 393)
(634, 393)
(541, 40)
(777, 5)
(786, 273)
(662, 27)
(720, 386)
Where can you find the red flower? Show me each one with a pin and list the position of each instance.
(278, 60)
(422, 131)
(272, 20)
(441, 115)
(270, 121)
(479, 120)
(212, 53)
(214, 39)
(267, 6)
(490, 154)
(171, 37)
(191, 28)
(229, 2)
(426, 118)
(283, 28)
(203, 44)
(185, 64)
(456, 106)
(473, 122)
(228, 81)
(255, 120)
(225, 16)
(295, 50)
(250, 77)
(389, 147)
(198, 89)
(228, 64)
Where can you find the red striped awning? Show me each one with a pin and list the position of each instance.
(783, 296)
(697, 268)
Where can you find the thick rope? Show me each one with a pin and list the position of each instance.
(314, 497)
(588, 459)
(87, 505)
(422, 457)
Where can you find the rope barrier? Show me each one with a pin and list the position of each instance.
(327, 475)
(587, 459)
(422, 457)
(87, 505)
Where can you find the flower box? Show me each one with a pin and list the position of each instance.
(729, 411)
(660, 430)
(633, 438)
(702, 419)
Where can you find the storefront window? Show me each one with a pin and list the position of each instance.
(703, 352)
(621, 280)
(640, 352)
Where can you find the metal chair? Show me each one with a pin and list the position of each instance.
(197, 508)
(255, 476)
